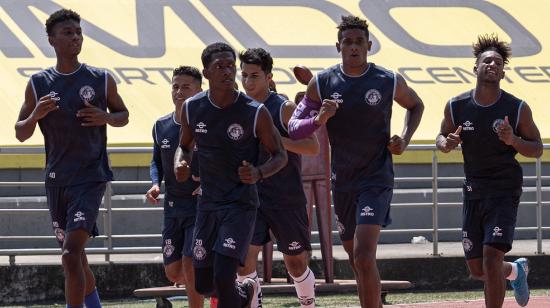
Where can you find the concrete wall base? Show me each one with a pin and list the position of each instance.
(25, 284)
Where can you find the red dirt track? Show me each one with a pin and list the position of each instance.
(534, 302)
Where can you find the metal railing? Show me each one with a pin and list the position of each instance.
(108, 208)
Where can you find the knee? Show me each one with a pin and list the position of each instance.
(205, 289)
(364, 260)
(172, 275)
(204, 286)
(296, 265)
(491, 264)
(71, 259)
(477, 274)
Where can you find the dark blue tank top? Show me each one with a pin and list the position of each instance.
(284, 189)
(360, 130)
(74, 154)
(224, 137)
(490, 165)
(166, 136)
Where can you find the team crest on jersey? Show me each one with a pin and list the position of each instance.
(235, 131)
(496, 124)
(198, 251)
(168, 248)
(86, 93)
(373, 97)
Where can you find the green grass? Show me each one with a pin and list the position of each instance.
(325, 301)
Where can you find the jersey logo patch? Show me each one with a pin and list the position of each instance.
(86, 93)
(165, 144)
(201, 128)
(230, 243)
(336, 97)
(468, 125)
(235, 131)
(496, 124)
(367, 211)
(373, 97)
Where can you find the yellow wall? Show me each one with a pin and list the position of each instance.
(529, 76)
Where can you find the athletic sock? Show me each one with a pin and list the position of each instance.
(514, 272)
(92, 300)
(257, 298)
(305, 288)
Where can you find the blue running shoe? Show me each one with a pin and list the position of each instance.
(521, 289)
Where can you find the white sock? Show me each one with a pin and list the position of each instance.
(257, 298)
(514, 273)
(305, 288)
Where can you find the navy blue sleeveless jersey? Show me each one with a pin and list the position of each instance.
(360, 130)
(490, 165)
(225, 138)
(284, 189)
(180, 195)
(74, 154)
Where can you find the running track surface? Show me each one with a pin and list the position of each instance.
(534, 302)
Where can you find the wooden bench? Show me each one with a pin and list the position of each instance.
(277, 286)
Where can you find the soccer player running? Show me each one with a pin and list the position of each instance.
(228, 128)
(282, 199)
(492, 126)
(180, 203)
(354, 99)
(70, 102)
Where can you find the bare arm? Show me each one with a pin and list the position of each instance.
(271, 140)
(184, 152)
(527, 142)
(32, 111)
(117, 115)
(407, 98)
(449, 135)
(306, 146)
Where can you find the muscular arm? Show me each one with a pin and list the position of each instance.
(118, 113)
(271, 140)
(449, 135)
(184, 152)
(26, 122)
(407, 98)
(528, 142)
(302, 123)
(306, 146)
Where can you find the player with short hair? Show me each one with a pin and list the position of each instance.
(228, 128)
(354, 99)
(73, 103)
(283, 202)
(180, 201)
